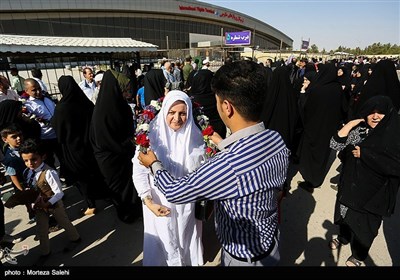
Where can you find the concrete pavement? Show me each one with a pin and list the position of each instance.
(306, 227)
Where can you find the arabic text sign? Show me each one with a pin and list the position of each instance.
(238, 38)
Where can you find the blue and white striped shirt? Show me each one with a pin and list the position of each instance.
(243, 179)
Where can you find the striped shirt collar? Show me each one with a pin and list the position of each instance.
(248, 131)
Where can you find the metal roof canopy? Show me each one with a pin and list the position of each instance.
(51, 44)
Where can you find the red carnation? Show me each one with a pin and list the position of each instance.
(208, 131)
(149, 114)
(196, 104)
(143, 140)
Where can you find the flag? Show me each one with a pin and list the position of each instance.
(305, 44)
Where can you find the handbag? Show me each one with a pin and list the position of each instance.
(203, 209)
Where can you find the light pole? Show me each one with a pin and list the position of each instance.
(167, 47)
(254, 48)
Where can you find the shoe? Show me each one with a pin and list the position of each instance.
(89, 211)
(54, 228)
(42, 259)
(11, 239)
(334, 187)
(352, 261)
(306, 186)
(335, 244)
(72, 245)
(32, 217)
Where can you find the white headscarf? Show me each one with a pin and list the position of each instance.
(180, 151)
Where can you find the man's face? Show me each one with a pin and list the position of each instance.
(219, 107)
(88, 74)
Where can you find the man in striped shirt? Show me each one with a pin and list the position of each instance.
(244, 178)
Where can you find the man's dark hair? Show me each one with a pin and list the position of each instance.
(30, 146)
(36, 73)
(244, 84)
(228, 60)
(10, 129)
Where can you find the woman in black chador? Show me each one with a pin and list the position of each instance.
(201, 91)
(383, 81)
(280, 111)
(321, 116)
(111, 134)
(370, 152)
(71, 121)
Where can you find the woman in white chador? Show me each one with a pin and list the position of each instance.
(172, 235)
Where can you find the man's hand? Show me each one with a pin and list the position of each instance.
(216, 138)
(147, 159)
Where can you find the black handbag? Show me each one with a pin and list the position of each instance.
(203, 209)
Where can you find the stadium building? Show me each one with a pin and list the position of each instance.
(168, 24)
(78, 32)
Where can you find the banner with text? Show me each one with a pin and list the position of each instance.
(238, 38)
(305, 44)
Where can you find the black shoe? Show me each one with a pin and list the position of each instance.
(42, 260)
(10, 239)
(31, 215)
(55, 228)
(72, 245)
(306, 186)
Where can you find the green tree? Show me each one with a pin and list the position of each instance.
(313, 49)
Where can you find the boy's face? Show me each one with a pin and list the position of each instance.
(32, 161)
(34, 90)
(13, 139)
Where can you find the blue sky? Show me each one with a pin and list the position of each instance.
(328, 24)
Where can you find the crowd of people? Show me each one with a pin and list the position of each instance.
(265, 119)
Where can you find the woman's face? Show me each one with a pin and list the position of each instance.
(177, 115)
(374, 118)
(340, 72)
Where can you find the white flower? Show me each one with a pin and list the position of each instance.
(155, 104)
(143, 127)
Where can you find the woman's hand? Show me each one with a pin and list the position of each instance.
(355, 122)
(349, 126)
(357, 152)
(157, 209)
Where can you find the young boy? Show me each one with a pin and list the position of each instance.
(13, 163)
(45, 179)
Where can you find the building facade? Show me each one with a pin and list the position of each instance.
(165, 23)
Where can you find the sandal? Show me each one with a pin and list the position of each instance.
(352, 261)
(335, 244)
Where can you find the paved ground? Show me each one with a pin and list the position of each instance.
(306, 226)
